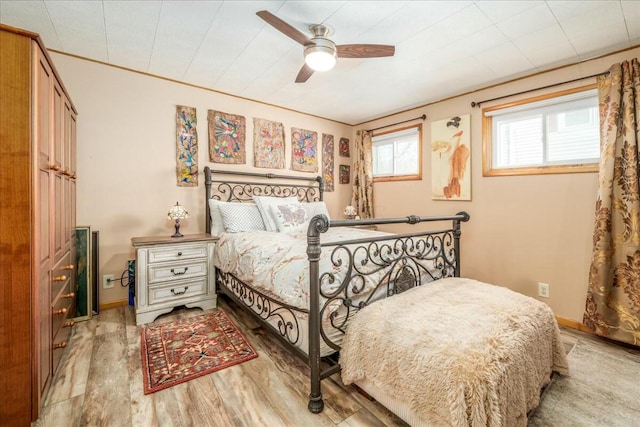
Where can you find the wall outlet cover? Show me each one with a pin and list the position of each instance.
(108, 281)
(543, 290)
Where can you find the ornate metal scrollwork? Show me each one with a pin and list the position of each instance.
(263, 306)
(230, 191)
(365, 272)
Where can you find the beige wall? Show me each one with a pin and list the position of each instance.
(523, 229)
(126, 155)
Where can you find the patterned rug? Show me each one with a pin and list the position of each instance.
(179, 351)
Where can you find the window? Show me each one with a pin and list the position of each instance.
(557, 133)
(397, 154)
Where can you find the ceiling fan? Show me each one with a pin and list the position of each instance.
(320, 53)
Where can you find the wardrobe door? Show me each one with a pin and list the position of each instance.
(46, 170)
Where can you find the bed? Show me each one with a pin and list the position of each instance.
(309, 283)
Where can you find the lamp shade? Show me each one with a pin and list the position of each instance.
(177, 212)
(320, 56)
(350, 212)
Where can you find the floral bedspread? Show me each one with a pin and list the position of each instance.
(276, 263)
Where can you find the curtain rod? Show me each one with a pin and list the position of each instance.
(423, 117)
(477, 104)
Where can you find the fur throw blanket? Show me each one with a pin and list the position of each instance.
(459, 352)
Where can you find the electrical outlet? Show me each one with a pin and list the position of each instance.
(543, 290)
(108, 281)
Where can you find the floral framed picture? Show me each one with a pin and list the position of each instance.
(344, 147)
(345, 174)
(304, 152)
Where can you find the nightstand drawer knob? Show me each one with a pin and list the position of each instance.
(180, 292)
(179, 253)
(179, 273)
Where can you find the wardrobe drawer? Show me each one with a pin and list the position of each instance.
(177, 253)
(62, 308)
(61, 275)
(166, 272)
(178, 291)
(60, 342)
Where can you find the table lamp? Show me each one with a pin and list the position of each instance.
(177, 212)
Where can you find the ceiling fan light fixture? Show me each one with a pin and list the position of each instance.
(320, 56)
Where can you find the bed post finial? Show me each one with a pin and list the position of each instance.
(320, 187)
(318, 224)
(456, 239)
(207, 186)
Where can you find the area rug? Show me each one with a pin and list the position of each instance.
(602, 390)
(181, 350)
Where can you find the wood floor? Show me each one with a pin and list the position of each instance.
(100, 384)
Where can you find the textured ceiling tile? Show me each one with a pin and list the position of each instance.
(527, 22)
(182, 26)
(498, 11)
(233, 29)
(131, 30)
(631, 11)
(80, 26)
(32, 16)
(568, 9)
(506, 61)
(363, 29)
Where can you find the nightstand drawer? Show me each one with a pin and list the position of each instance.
(177, 253)
(176, 292)
(167, 272)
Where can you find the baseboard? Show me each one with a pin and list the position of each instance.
(573, 324)
(113, 304)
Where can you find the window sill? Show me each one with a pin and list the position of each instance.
(542, 170)
(397, 178)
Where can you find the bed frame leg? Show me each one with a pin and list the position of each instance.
(318, 224)
(316, 404)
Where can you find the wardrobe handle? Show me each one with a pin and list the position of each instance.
(67, 267)
(69, 295)
(68, 324)
(61, 311)
(63, 344)
(54, 168)
(59, 278)
(74, 176)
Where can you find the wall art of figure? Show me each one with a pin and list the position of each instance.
(451, 159)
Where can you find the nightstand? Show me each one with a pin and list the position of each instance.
(173, 271)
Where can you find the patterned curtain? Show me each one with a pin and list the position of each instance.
(613, 297)
(362, 193)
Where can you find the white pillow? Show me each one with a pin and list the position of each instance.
(316, 208)
(217, 224)
(241, 217)
(290, 218)
(264, 202)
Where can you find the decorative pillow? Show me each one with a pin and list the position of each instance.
(264, 202)
(316, 208)
(241, 217)
(217, 224)
(290, 218)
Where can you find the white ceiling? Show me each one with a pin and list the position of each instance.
(443, 48)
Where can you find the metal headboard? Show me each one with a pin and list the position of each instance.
(242, 191)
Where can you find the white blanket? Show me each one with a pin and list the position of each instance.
(460, 352)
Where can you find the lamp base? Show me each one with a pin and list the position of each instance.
(177, 233)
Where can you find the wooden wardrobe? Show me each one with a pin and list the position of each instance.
(37, 221)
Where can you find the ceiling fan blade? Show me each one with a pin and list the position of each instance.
(283, 27)
(365, 50)
(304, 74)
